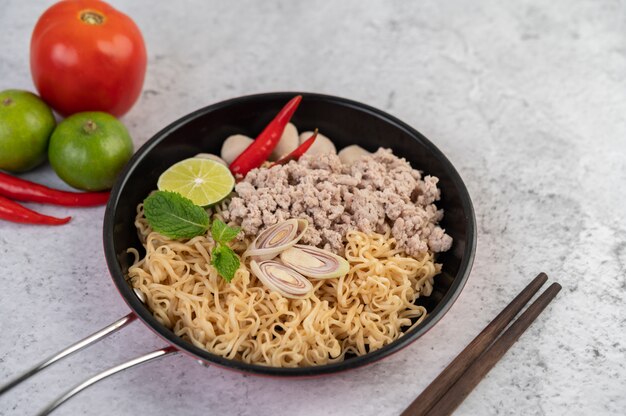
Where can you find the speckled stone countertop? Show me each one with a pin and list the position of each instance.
(527, 99)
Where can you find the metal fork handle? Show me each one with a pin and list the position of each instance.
(104, 374)
(85, 342)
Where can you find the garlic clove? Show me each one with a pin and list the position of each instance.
(211, 157)
(233, 146)
(350, 154)
(289, 141)
(322, 144)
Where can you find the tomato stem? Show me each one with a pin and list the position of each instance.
(91, 17)
(7, 102)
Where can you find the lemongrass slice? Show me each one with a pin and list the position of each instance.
(314, 262)
(279, 278)
(273, 240)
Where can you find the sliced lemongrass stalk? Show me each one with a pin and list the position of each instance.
(314, 262)
(279, 278)
(277, 238)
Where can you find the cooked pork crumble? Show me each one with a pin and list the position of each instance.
(377, 193)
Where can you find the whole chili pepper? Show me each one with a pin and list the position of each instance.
(12, 211)
(298, 151)
(260, 149)
(23, 190)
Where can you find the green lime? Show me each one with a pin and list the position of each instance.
(88, 150)
(25, 126)
(204, 181)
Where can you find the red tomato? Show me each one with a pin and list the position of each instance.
(87, 56)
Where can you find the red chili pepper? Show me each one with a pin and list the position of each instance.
(12, 211)
(264, 144)
(299, 151)
(23, 190)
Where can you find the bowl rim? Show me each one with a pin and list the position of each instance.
(143, 313)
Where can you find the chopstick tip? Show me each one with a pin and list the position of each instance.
(555, 287)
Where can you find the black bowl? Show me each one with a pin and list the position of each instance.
(345, 122)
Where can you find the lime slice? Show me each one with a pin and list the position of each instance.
(204, 181)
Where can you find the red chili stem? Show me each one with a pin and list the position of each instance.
(299, 151)
(23, 190)
(14, 212)
(264, 144)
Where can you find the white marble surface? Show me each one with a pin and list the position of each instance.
(526, 98)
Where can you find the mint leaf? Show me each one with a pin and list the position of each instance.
(223, 258)
(174, 216)
(225, 261)
(223, 233)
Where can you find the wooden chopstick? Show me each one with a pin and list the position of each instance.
(440, 385)
(479, 368)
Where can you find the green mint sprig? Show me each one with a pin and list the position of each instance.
(175, 216)
(223, 258)
(222, 233)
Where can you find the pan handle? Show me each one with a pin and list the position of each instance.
(83, 343)
(104, 374)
